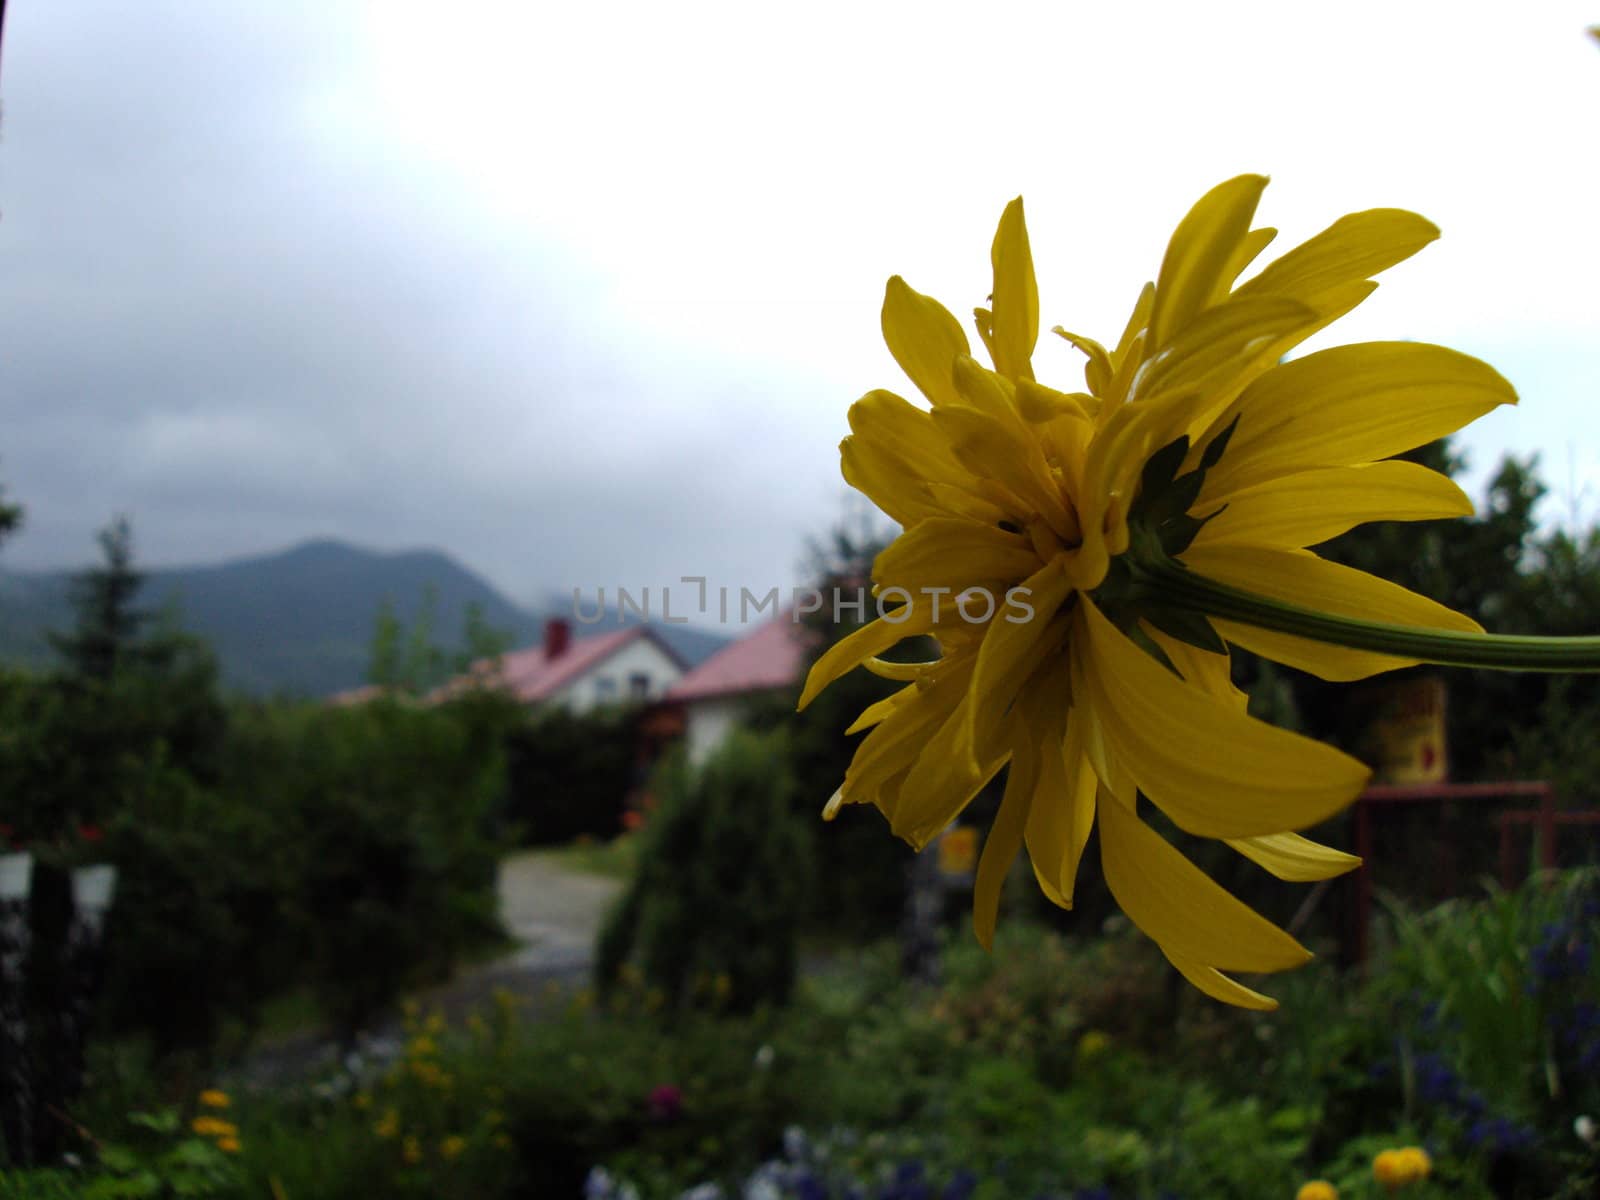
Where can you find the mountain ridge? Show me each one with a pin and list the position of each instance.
(300, 620)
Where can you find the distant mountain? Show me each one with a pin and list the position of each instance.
(299, 621)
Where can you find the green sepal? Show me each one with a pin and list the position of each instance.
(1185, 625)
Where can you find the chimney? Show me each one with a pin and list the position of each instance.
(557, 637)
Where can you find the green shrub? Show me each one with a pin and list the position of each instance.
(717, 901)
(568, 775)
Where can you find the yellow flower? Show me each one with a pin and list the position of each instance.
(1415, 1160)
(1397, 1168)
(214, 1098)
(452, 1146)
(1317, 1189)
(213, 1127)
(411, 1151)
(1043, 530)
(1092, 1045)
(388, 1125)
(228, 1145)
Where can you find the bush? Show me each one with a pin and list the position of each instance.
(718, 898)
(569, 775)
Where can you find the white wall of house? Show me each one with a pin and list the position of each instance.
(708, 721)
(638, 672)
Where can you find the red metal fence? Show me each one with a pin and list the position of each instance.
(1450, 850)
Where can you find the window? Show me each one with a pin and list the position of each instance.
(638, 686)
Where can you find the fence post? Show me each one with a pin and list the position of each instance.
(16, 1093)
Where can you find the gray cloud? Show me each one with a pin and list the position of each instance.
(230, 314)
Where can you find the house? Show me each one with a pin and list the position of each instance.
(631, 665)
(710, 700)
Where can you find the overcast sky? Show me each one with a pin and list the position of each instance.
(581, 293)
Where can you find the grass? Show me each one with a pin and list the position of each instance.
(616, 859)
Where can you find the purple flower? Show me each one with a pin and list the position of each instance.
(666, 1102)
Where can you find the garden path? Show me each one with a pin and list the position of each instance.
(552, 912)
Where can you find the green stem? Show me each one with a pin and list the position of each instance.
(1504, 652)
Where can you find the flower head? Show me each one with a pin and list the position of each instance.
(214, 1098)
(1397, 1168)
(1047, 533)
(1317, 1189)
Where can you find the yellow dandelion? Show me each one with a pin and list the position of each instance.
(1317, 1189)
(452, 1147)
(214, 1098)
(228, 1145)
(388, 1125)
(1084, 558)
(213, 1127)
(411, 1151)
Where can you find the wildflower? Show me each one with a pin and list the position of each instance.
(213, 1127)
(1397, 1168)
(1084, 559)
(388, 1125)
(452, 1147)
(1092, 1045)
(1317, 1189)
(228, 1144)
(1586, 1128)
(214, 1098)
(665, 1102)
(411, 1151)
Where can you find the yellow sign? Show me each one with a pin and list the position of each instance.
(1405, 740)
(958, 851)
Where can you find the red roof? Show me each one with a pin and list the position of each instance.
(532, 676)
(771, 657)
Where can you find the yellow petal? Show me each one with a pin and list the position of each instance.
(1003, 841)
(902, 672)
(893, 748)
(1219, 341)
(953, 554)
(940, 784)
(1137, 327)
(1215, 771)
(1097, 372)
(1294, 858)
(1218, 986)
(1310, 507)
(875, 713)
(1012, 649)
(870, 640)
(1300, 577)
(924, 339)
(1016, 296)
(1202, 247)
(1001, 449)
(1349, 405)
(1181, 908)
(1354, 247)
(1250, 247)
(1205, 669)
(883, 479)
(906, 434)
(1063, 810)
